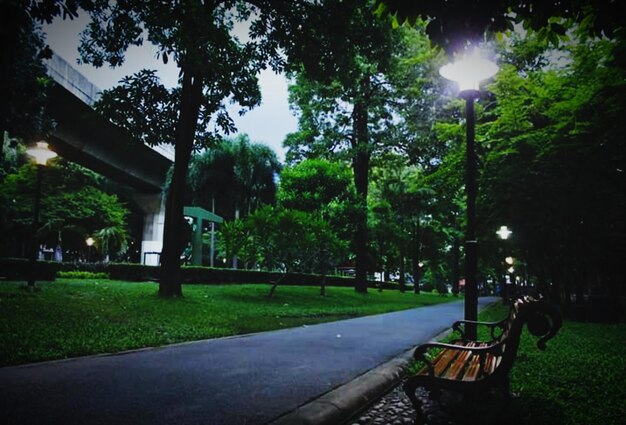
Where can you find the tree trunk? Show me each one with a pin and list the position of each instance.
(275, 284)
(170, 285)
(235, 258)
(361, 159)
(417, 270)
(11, 17)
(402, 279)
(456, 269)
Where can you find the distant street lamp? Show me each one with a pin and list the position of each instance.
(504, 232)
(89, 241)
(41, 154)
(468, 71)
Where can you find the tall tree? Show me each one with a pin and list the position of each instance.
(343, 108)
(214, 66)
(24, 79)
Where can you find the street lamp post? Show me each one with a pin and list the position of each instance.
(41, 154)
(89, 241)
(468, 72)
(504, 233)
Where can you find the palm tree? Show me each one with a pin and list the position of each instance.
(111, 237)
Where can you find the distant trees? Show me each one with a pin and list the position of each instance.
(72, 209)
(234, 177)
(554, 161)
(285, 241)
(347, 108)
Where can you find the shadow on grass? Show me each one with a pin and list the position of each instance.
(494, 409)
(528, 410)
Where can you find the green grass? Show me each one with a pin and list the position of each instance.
(71, 318)
(580, 379)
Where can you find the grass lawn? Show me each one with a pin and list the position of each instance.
(71, 317)
(580, 379)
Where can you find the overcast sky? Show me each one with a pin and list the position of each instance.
(268, 123)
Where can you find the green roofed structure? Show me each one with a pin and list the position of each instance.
(199, 216)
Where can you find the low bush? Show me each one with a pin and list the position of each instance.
(19, 269)
(133, 272)
(77, 274)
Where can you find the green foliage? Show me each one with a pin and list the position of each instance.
(77, 274)
(552, 162)
(144, 107)
(314, 185)
(72, 207)
(274, 238)
(323, 188)
(453, 22)
(72, 317)
(111, 238)
(24, 81)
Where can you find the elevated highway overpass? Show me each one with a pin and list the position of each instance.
(85, 137)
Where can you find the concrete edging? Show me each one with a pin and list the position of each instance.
(344, 402)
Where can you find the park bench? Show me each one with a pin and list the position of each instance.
(474, 367)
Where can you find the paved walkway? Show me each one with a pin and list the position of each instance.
(239, 380)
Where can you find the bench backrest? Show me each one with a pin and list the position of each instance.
(542, 320)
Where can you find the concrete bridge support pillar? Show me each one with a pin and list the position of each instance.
(153, 206)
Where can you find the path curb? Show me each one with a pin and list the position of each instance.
(346, 401)
(343, 402)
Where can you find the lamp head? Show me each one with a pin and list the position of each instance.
(41, 153)
(504, 232)
(468, 71)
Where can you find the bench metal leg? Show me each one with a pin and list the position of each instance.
(409, 388)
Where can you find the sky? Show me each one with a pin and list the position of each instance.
(268, 123)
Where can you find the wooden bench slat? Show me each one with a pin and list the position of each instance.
(490, 363)
(435, 361)
(459, 364)
(473, 369)
(446, 360)
(471, 373)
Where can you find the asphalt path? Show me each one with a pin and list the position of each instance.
(241, 380)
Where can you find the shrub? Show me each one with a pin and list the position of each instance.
(77, 274)
(133, 272)
(19, 269)
(98, 267)
(427, 287)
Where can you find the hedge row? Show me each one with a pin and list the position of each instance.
(19, 269)
(16, 269)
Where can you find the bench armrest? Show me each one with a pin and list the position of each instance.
(492, 325)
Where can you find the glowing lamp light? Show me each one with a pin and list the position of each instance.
(469, 70)
(89, 241)
(41, 153)
(504, 232)
(509, 260)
